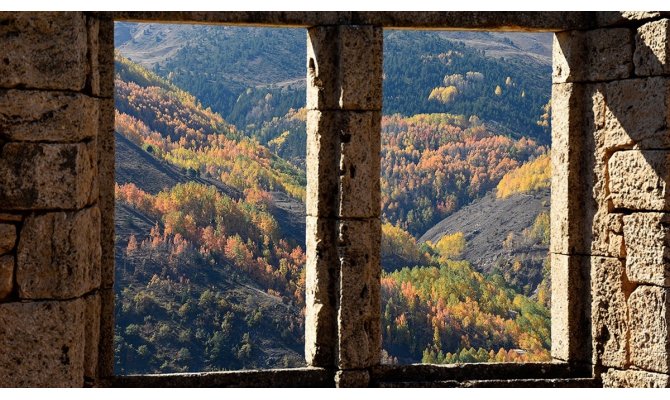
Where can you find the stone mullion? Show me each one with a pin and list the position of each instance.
(343, 227)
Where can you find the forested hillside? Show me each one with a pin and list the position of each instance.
(207, 277)
(211, 186)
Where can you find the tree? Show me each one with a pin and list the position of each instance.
(132, 245)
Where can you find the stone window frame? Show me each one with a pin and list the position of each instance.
(344, 94)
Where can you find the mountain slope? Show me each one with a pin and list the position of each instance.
(242, 71)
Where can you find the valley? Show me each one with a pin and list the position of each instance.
(210, 173)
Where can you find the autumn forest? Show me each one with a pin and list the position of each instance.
(210, 189)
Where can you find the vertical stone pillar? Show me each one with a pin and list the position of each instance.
(344, 101)
(50, 252)
(569, 273)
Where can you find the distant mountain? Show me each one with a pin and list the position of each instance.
(251, 76)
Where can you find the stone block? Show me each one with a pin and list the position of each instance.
(323, 153)
(636, 113)
(568, 52)
(568, 170)
(652, 48)
(648, 320)
(106, 153)
(609, 54)
(359, 169)
(614, 378)
(352, 378)
(321, 274)
(609, 312)
(608, 18)
(91, 335)
(43, 50)
(7, 238)
(361, 57)
(647, 238)
(570, 295)
(58, 255)
(639, 180)
(6, 276)
(44, 344)
(359, 306)
(37, 176)
(34, 116)
(596, 55)
(344, 68)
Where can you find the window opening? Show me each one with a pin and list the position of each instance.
(465, 178)
(210, 189)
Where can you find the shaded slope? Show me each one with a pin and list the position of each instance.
(487, 222)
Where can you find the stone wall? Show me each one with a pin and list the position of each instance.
(56, 191)
(610, 153)
(610, 213)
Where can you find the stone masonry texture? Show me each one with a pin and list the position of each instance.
(609, 227)
(59, 255)
(45, 340)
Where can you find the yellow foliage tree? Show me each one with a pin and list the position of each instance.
(530, 176)
(451, 246)
(443, 94)
(498, 90)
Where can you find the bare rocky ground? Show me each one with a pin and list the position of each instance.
(487, 222)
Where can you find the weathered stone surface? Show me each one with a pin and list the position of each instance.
(7, 217)
(361, 57)
(7, 238)
(568, 47)
(59, 255)
(359, 306)
(607, 18)
(268, 378)
(633, 112)
(106, 151)
(597, 55)
(47, 176)
(352, 378)
(106, 353)
(320, 282)
(46, 341)
(93, 55)
(609, 54)
(344, 68)
(29, 115)
(648, 316)
(647, 238)
(639, 180)
(614, 378)
(323, 150)
(359, 169)
(652, 48)
(105, 57)
(616, 243)
(45, 50)
(92, 335)
(609, 312)
(6, 276)
(568, 171)
(343, 164)
(487, 20)
(570, 332)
